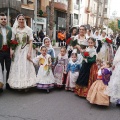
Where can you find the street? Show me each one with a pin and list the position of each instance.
(56, 105)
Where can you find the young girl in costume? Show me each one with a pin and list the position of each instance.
(73, 69)
(88, 71)
(45, 78)
(61, 67)
(96, 94)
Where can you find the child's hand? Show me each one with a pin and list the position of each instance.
(65, 72)
(49, 65)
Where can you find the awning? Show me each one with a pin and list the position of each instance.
(27, 12)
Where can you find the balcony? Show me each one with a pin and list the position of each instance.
(60, 5)
(62, 1)
(76, 7)
(13, 4)
(76, 22)
(87, 10)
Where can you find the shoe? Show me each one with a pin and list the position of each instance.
(8, 87)
(118, 105)
(1, 90)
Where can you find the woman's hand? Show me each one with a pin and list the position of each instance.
(11, 53)
(113, 67)
(29, 56)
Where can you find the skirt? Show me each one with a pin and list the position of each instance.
(82, 90)
(96, 94)
(71, 80)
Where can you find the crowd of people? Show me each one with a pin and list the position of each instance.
(87, 65)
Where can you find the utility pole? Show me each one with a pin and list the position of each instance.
(88, 13)
(68, 16)
(97, 15)
(51, 25)
(102, 18)
(35, 16)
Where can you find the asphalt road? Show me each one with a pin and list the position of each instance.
(56, 105)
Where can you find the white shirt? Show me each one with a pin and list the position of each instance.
(3, 29)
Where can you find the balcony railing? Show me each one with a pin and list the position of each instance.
(76, 7)
(62, 1)
(76, 22)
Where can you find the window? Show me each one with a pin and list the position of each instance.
(77, 2)
(25, 2)
(75, 16)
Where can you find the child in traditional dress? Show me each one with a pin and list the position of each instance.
(61, 67)
(45, 78)
(88, 70)
(73, 69)
(96, 94)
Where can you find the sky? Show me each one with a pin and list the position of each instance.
(115, 6)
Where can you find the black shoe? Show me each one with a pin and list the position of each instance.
(1, 90)
(8, 87)
(118, 105)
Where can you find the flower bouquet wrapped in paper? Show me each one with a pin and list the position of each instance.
(107, 40)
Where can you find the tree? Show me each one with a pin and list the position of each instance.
(68, 16)
(51, 22)
(114, 26)
(97, 16)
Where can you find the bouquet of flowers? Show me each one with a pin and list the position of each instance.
(74, 42)
(107, 40)
(48, 70)
(13, 44)
(86, 54)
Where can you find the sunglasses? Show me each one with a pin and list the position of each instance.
(3, 19)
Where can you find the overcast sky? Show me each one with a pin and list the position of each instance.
(115, 6)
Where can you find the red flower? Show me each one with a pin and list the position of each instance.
(86, 54)
(14, 42)
(68, 41)
(5, 48)
(108, 40)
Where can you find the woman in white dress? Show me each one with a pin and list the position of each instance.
(22, 73)
(103, 51)
(113, 89)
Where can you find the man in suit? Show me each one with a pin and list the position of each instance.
(5, 51)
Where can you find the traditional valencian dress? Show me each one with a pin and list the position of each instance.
(73, 69)
(113, 89)
(22, 73)
(87, 73)
(106, 52)
(96, 94)
(60, 68)
(45, 78)
(83, 44)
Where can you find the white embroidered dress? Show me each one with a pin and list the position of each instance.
(45, 75)
(22, 73)
(113, 89)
